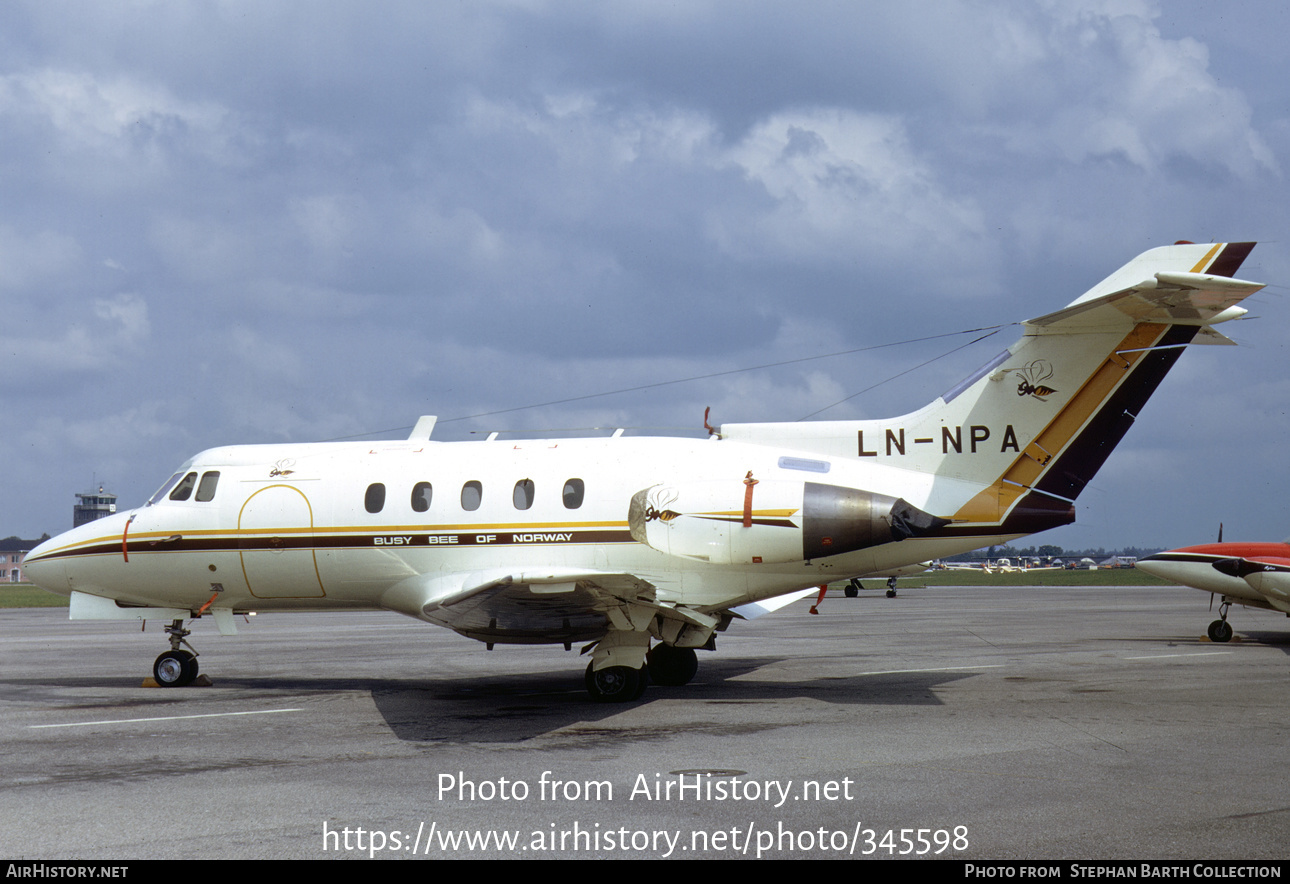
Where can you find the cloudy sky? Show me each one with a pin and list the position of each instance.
(258, 221)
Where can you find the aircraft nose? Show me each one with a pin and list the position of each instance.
(1165, 565)
(1150, 564)
(45, 570)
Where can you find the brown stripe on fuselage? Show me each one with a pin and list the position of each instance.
(366, 540)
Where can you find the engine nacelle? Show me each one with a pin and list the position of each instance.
(774, 522)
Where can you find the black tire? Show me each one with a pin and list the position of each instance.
(891, 593)
(852, 589)
(175, 669)
(616, 684)
(642, 682)
(672, 666)
(1220, 631)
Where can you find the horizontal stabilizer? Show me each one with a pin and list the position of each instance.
(1169, 298)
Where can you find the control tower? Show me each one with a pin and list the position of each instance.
(93, 505)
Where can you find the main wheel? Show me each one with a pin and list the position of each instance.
(1220, 631)
(616, 684)
(672, 666)
(175, 669)
(852, 589)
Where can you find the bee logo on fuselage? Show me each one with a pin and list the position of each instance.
(658, 503)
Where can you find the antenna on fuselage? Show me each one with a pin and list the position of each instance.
(424, 427)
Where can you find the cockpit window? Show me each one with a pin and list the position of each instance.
(206, 488)
(161, 492)
(184, 489)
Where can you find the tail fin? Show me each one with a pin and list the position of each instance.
(1012, 445)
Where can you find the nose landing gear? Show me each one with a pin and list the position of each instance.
(1220, 630)
(177, 667)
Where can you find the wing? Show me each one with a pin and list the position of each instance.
(547, 605)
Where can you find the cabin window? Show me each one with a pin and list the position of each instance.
(374, 500)
(184, 489)
(523, 496)
(421, 493)
(206, 488)
(572, 494)
(472, 495)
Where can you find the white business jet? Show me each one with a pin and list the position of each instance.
(646, 548)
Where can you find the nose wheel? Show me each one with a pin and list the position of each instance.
(1220, 630)
(177, 667)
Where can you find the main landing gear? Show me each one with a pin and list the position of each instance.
(853, 587)
(616, 684)
(177, 667)
(1220, 630)
(671, 666)
(664, 665)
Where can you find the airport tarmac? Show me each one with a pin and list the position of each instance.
(977, 723)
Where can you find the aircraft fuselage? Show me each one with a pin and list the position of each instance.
(332, 526)
(1250, 574)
